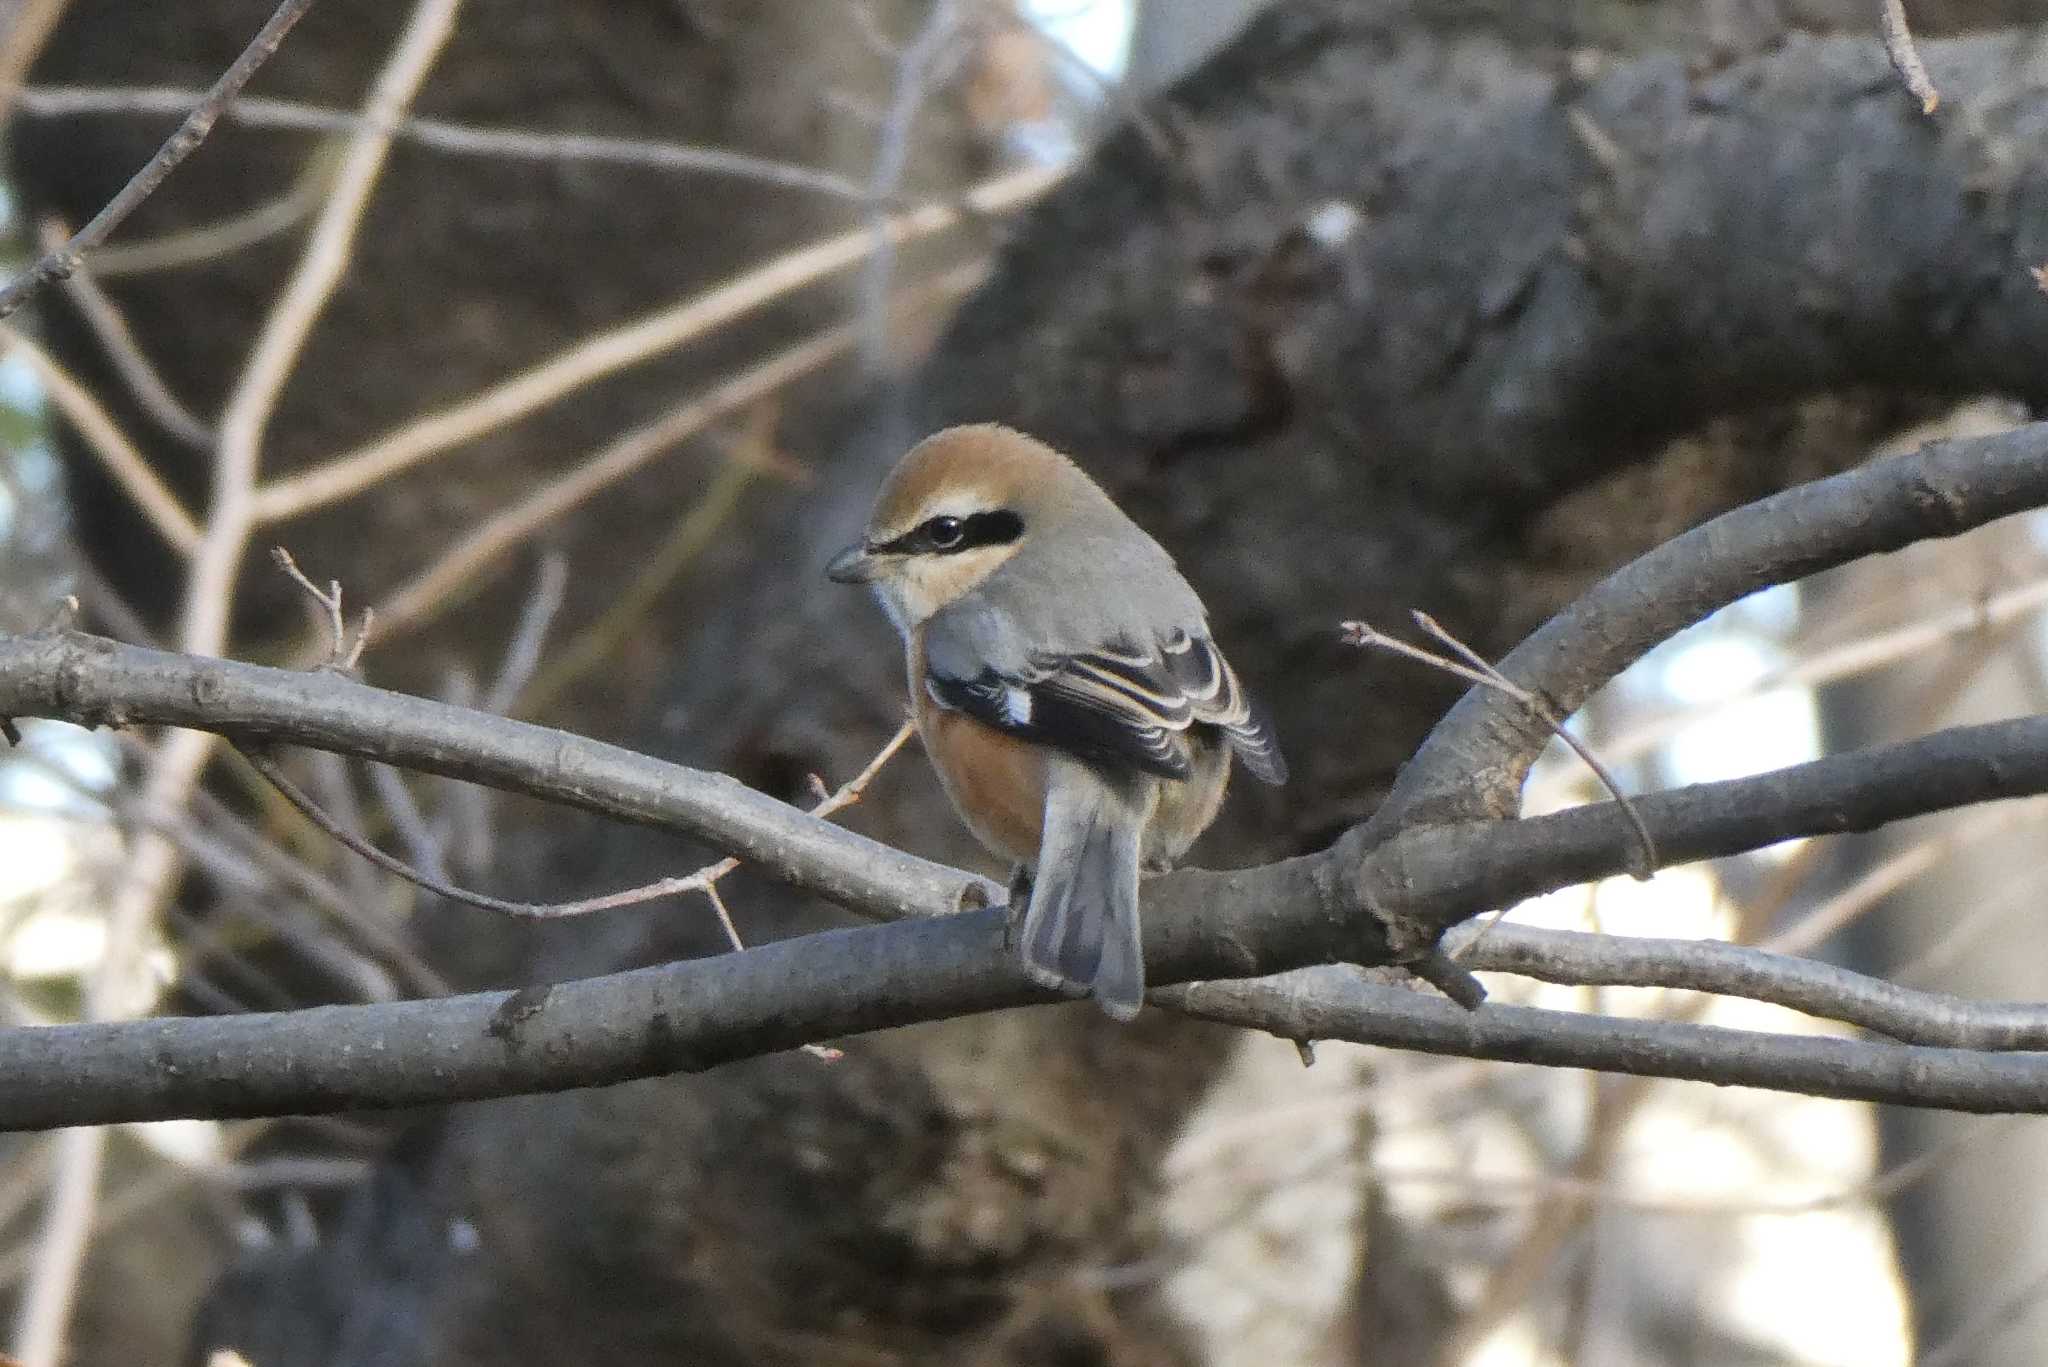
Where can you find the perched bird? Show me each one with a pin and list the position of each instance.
(1064, 685)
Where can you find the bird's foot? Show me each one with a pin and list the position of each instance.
(1154, 865)
(1020, 902)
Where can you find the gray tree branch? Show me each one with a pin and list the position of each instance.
(1383, 893)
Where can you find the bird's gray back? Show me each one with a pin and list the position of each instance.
(1097, 582)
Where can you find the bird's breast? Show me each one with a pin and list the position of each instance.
(996, 782)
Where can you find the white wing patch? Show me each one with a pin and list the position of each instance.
(1017, 706)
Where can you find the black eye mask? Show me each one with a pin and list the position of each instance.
(952, 535)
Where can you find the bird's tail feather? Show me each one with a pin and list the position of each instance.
(1081, 928)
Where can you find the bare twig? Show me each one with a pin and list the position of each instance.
(522, 656)
(459, 139)
(330, 778)
(1847, 660)
(128, 467)
(342, 652)
(920, 64)
(1893, 873)
(703, 880)
(313, 812)
(23, 41)
(693, 534)
(424, 846)
(193, 246)
(627, 345)
(1905, 56)
(44, 1313)
(1824, 991)
(60, 263)
(418, 598)
(732, 932)
(361, 926)
(123, 352)
(329, 247)
(1476, 669)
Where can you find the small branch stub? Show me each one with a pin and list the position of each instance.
(1905, 55)
(1474, 668)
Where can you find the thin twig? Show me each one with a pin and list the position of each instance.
(337, 795)
(176, 769)
(459, 139)
(124, 353)
(257, 391)
(1846, 660)
(45, 1310)
(627, 345)
(376, 938)
(704, 879)
(128, 467)
(522, 656)
(1905, 56)
(919, 65)
(57, 264)
(732, 932)
(1895, 872)
(419, 597)
(424, 846)
(342, 653)
(313, 812)
(1477, 670)
(183, 247)
(693, 534)
(23, 43)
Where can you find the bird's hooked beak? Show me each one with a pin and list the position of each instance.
(852, 566)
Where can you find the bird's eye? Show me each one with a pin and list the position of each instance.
(943, 533)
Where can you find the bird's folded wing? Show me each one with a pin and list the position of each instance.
(1120, 704)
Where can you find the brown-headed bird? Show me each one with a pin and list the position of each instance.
(1064, 685)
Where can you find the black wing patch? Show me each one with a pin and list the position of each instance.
(1045, 710)
(1122, 705)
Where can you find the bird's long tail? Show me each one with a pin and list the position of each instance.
(1081, 928)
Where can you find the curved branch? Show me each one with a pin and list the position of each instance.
(1473, 762)
(1828, 991)
(1425, 880)
(1200, 925)
(1334, 1003)
(93, 681)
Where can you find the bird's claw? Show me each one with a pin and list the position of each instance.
(1020, 902)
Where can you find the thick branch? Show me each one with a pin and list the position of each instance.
(696, 1014)
(94, 681)
(1417, 877)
